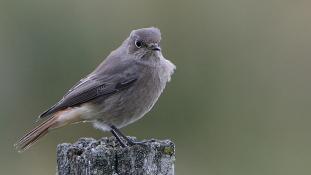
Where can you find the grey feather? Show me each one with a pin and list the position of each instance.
(121, 90)
(125, 86)
(93, 87)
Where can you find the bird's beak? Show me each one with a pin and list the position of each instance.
(155, 47)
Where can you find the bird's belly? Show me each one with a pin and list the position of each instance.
(130, 105)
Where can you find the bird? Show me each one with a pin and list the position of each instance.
(121, 90)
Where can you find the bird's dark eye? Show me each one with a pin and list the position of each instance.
(138, 43)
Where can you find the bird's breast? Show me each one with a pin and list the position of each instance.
(131, 104)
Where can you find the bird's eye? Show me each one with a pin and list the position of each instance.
(138, 43)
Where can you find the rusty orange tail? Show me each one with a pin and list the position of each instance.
(35, 134)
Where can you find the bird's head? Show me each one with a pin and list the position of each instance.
(145, 41)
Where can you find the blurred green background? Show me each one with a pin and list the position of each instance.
(238, 104)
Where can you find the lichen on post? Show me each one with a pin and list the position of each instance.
(106, 157)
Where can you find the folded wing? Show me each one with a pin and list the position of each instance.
(93, 87)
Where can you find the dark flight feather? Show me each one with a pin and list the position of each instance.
(93, 87)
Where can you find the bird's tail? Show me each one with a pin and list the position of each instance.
(35, 134)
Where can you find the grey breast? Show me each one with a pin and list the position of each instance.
(131, 104)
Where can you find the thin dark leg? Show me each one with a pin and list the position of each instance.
(129, 141)
(120, 134)
(118, 138)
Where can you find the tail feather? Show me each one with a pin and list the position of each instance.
(35, 134)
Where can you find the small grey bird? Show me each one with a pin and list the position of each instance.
(121, 90)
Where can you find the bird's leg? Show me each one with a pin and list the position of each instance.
(118, 138)
(119, 133)
(129, 141)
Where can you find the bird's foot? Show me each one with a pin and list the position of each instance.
(131, 142)
(121, 138)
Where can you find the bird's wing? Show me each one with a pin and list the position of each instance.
(92, 87)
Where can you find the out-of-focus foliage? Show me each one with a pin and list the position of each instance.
(238, 104)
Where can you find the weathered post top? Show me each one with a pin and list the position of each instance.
(106, 157)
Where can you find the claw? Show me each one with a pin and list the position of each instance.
(118, 134)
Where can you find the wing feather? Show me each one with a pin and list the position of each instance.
(94, 86)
